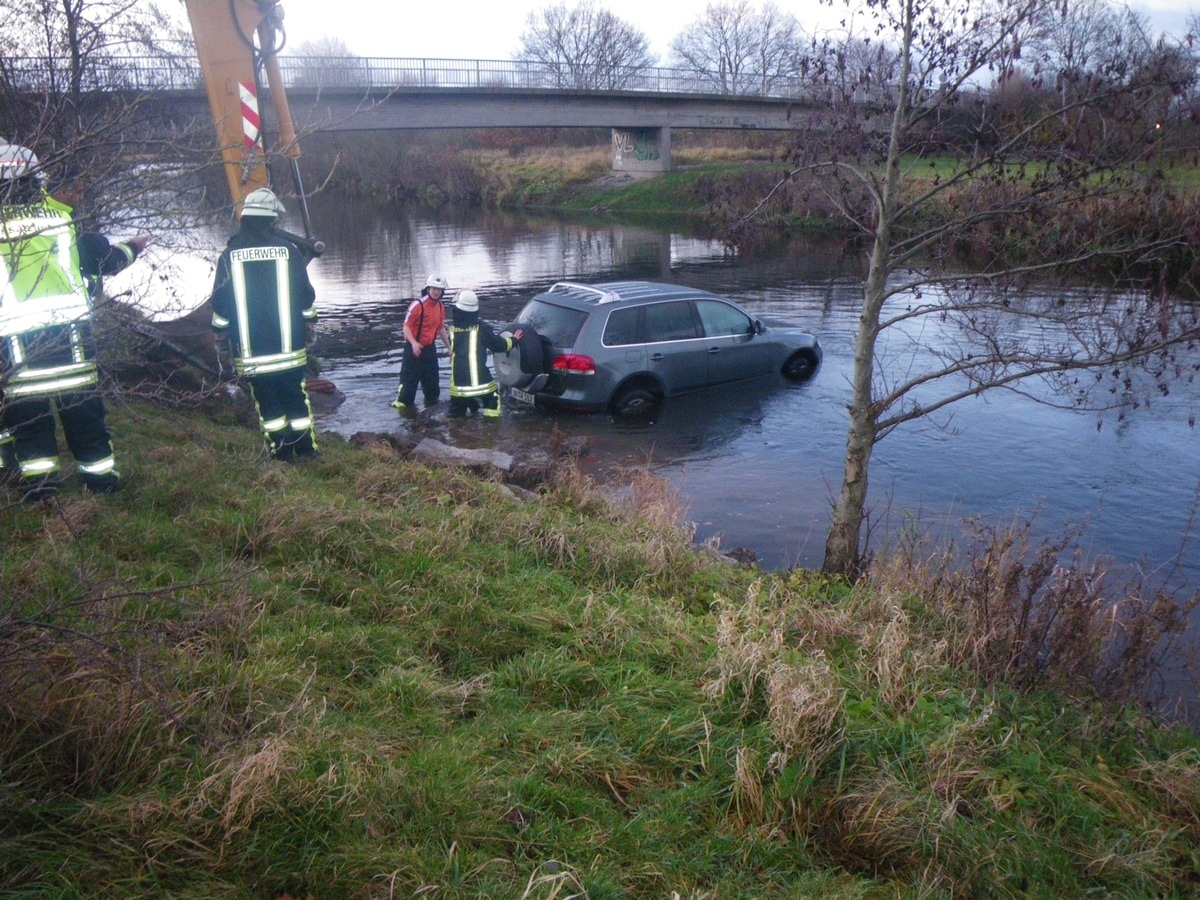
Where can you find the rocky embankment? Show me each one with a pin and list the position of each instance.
(521, 470)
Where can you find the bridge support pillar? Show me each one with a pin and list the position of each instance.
(641, 149)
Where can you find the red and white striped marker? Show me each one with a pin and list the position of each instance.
(250, 118)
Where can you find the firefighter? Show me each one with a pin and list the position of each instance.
(97, 255)
(50, 275)
(424, 325)
(471, 339)
(263, 317)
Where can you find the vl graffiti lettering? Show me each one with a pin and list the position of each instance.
(641, 145)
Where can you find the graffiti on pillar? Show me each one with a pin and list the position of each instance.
(642, 145)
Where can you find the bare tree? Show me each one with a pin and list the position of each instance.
(1071, 46)
(76, 41)
(585, 46)
(1028, 197)
(740, 50)
(69, 90)
(66, 67)
(327, 62)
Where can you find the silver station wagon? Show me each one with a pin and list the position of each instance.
(625, 346)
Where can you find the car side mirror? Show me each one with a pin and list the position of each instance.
(759, 327)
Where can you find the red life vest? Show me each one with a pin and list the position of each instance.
(425, 318)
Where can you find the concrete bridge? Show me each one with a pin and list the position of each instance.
(640, 104)
(641, 122)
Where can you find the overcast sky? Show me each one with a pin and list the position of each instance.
(488, 29)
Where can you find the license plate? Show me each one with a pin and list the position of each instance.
(522, 396)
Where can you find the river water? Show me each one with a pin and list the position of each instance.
(757, 464)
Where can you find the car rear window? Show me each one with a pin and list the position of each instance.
(557, 324)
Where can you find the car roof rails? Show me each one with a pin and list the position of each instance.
(601, 296)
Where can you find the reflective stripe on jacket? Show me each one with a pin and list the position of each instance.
(469, 346)
(44, 304)
(263, 298)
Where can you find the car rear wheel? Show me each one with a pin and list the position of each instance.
(800, 365)
(635, 401)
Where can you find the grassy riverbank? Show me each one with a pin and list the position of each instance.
(719, 179)
(366, 678)
(535, 176)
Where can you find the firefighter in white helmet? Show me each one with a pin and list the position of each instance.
(48, 276)
(424, 325)
(264, 315)
(471, 339)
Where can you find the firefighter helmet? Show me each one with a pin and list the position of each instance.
(262, 202)
(18, 162)
(437, 281)
(467, 301)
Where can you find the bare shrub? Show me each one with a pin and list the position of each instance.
(1039, 615)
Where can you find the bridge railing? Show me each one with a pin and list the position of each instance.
(24, 73)
(379, 72)
(183, 73)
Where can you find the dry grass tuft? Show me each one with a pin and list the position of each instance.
(881, 825)
(807, 709)
(554, 881)
(255, 776)
(656, 502)
(248, 784)
(757, 646)
(652, 539)
(1174, 783)
(749, 795)
(553, 543)
(749, 644)
(466, 696)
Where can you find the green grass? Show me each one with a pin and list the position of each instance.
(366, 678)
(687, 191)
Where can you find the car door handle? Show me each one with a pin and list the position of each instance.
(712, 351)
(657, 357)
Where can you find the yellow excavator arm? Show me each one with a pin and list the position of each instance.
(237, 42)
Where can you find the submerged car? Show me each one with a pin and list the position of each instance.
(625, 346)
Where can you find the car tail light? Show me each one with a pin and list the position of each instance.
(574, 364)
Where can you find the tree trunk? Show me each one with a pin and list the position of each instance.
(842, 543)
(842, 546)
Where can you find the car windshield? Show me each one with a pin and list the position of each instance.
(557, 324)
